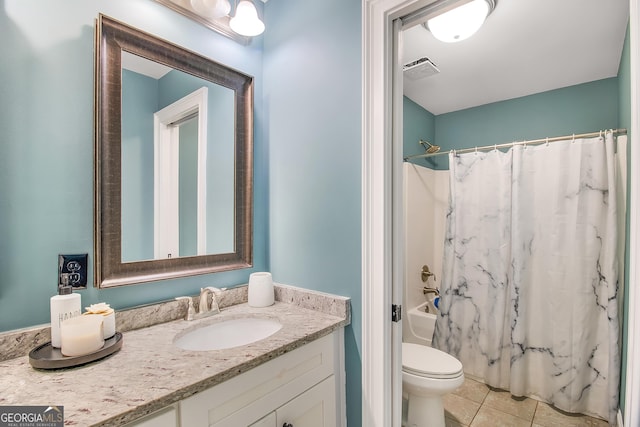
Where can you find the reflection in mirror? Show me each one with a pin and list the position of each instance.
(174, 135)
(177, 163)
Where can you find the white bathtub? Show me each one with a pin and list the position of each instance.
(421, 324)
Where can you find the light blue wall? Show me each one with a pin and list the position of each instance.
(46, 149)
(188, 188)
(582, 108)
(418, 124)
(576, 109)
(139, 102)
(312, 99)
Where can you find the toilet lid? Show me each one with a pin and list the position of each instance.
(429, 362)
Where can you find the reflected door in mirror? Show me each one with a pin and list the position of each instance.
(177, 163)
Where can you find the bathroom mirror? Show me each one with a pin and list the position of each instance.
(173, 160)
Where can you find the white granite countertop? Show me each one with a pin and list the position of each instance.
(149, 372)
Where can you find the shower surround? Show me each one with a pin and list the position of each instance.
(426, 197)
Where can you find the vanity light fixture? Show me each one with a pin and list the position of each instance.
(211, 8)
(246, 21)
(460, 23)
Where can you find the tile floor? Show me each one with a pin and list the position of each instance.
(477, 405)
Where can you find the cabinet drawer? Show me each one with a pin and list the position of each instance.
(247, 398)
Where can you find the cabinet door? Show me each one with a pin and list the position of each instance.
(315, 407)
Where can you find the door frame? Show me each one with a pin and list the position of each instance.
(166, 156)
(632, 391)
(381, 202)
(380, 339)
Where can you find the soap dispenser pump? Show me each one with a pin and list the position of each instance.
(63, 306)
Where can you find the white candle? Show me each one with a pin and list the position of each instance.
(108, 315)
(82, 335)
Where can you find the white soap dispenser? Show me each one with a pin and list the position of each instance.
(64, 306)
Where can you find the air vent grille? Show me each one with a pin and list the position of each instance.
(420, 68)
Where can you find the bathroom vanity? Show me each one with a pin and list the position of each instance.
(295, 376)
(298, 388)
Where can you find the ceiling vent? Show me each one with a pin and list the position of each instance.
(420, 68)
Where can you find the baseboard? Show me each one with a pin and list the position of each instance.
(619, 422)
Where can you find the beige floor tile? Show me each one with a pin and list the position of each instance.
(459, 409)
(488, 417)
(472, 390)
(547, 416)
(523, 408)
(448, 422)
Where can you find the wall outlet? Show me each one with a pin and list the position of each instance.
(76, 267)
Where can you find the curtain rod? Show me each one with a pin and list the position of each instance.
(511, 144)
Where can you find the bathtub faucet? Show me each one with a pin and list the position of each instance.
(427, 290)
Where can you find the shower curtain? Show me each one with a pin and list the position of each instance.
(530, 287)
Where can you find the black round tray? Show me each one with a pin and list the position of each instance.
(46, 356)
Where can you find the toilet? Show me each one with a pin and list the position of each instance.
(427, 375)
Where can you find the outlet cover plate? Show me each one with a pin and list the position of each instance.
(76, 267)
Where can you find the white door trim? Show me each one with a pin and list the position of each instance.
(632, 392)
(166, 160)
(378, 380)
(376, 215)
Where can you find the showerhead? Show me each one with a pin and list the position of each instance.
(429, 147)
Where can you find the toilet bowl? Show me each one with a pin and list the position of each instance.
(427, 375)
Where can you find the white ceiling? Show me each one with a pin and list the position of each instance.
(524, 47)
(143, 66)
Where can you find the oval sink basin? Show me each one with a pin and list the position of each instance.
(227, 334)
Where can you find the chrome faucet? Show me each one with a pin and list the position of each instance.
(205, 309)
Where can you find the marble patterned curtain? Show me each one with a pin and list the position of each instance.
(529, 289)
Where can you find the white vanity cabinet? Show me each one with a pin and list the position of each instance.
(303, 388)
(167, 417)
(315, 407)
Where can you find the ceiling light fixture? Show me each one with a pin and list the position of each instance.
(246, 21)
(462, 22)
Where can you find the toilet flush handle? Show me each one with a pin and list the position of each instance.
(426, 274)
